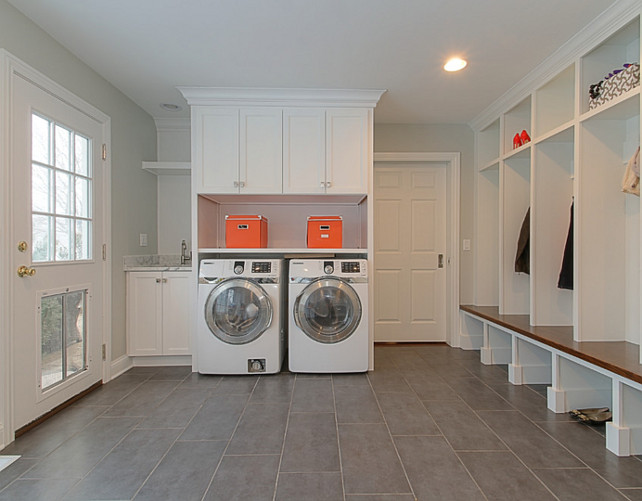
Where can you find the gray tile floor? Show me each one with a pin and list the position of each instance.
(430, 422)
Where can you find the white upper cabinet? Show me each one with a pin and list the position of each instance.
(261, 155)
(216, 155)
(304, 150)
(325, 150)
(271, 141)
(347, 140)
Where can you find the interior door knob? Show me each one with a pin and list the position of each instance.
(25, 271)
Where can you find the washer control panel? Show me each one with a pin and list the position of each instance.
(261, 267)
(350, 267)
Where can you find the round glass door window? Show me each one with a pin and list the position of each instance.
(328, 310)
(238, 311)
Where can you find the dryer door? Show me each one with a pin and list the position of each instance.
(328, 310)
(238, 311)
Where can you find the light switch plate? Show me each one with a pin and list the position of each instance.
(143, 239)
(466, 244)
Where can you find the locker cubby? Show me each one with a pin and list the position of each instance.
(488, 146)
(515, 287)
(621, 47)
(575, 386)
(471, 332)
(608, 220)
(487, 256)
(530, 365)
(554, 103)
(516, 120)
(552, 196)
(498, 346)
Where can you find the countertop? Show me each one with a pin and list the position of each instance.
(155, 262)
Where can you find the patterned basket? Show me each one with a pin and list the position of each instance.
(614, 85)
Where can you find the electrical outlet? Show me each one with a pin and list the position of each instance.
(143, 239)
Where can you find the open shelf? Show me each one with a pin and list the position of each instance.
(621, 47)
(287, 218)
(555, 102)
(516, 120)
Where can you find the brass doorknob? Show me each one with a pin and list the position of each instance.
(26, 271)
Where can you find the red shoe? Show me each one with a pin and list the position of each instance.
(525, 137)
(517, 141)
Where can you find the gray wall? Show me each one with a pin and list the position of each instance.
(133, 134)
(441, 138)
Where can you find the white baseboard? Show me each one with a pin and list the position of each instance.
(121, 365)
(161, 360)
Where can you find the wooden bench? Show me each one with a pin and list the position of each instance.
(579, 375)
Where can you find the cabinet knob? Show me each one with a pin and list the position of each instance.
(328, 184)
(158, 280)
(322, 184)
(242, 183)
(236, 184)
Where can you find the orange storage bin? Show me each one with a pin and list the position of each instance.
(325, 232)
(246, 232)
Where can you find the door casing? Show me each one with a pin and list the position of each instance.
(452, 159)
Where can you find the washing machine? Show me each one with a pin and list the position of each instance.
(328, 322)
(241, 316)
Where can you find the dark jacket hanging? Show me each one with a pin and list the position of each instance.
(522, 259)
(566, 273)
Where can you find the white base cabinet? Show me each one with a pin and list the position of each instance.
(159, 315)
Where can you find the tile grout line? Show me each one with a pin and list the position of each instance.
(336, 424)
(285, 434)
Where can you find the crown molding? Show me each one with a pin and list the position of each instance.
(231, 96)
(615, 17)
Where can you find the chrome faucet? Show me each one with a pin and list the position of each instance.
(184, 254)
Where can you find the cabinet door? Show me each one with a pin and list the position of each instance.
(216, 149)
(261, 157)
(303, 150)
(144, 335)
(177, 312)
(347, 137)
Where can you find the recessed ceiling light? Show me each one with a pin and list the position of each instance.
(455, 64)
(171, 107)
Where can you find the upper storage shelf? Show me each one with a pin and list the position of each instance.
(516, 120)
(621, 47)
(555, 102)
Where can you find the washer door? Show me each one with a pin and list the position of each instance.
(328, 310)
(238, 311)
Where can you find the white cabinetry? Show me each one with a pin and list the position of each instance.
(239, 150)
(325, 151)
(158, 313)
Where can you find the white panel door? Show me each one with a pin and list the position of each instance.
(410, 247)
(304, 150)
(57, 234)
(347, 133)
(261, 156)
(216, 153)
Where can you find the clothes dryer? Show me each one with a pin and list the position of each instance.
(241, 316)
(328, 324)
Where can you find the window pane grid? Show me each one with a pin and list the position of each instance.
(62, 189)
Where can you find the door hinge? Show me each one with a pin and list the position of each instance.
(104, 153)
(104, 252)
(104, 352)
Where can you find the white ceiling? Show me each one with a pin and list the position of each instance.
(146, 48)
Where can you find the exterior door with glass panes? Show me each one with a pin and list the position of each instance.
(57, 238)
